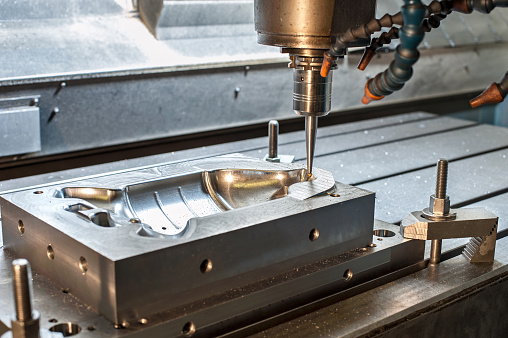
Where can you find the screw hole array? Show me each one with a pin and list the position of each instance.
(50, 252)
(82, 263)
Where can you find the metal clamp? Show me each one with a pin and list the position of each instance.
(439, 222)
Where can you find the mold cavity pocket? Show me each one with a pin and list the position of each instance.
(99, 217)
(100, 197)
(238, 188)
(102, 219)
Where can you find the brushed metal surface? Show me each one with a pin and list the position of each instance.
(197, 19)
(372, 163)
(471, 178)
(252, 147)
(84, 102)
(331, 141)
(69, 309)
(383, 309)
(163, 223)
(20, 130)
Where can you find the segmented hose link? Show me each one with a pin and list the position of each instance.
(415, 19)
(401, 69)
(363, 32)
(406, 54)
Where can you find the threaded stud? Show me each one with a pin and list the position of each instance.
(22, 289)
(441, 178)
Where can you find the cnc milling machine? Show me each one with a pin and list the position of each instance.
(207, 229)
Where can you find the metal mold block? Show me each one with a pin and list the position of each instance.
(140, 242)
(320, 279)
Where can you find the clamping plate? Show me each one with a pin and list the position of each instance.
(477, 223)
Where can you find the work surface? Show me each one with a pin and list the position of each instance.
(394, 157)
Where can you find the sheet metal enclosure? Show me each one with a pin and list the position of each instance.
(170, 19)
(105, 238)
(19, 126)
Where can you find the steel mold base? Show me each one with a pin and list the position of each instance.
(126, 270)
(321, 284)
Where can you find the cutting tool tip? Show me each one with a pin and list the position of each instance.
(310, 140)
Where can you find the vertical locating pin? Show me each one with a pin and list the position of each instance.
(273, 139)
(22, 289)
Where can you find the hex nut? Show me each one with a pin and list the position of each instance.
(28, 328)
(439, 206)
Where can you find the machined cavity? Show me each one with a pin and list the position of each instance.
(165, 204)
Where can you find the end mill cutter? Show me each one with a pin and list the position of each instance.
(310, 140)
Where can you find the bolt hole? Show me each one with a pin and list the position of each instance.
(50, 252)
(206, 266)
(314, 234)
(38, 192)
(379, 239)
(83, 265)
(189, 329)
(302, 79)
(143, 321)
(21, 227)
(164, 228)
(91, 328)
(66, 290)
(66, 329)
(102, 219)
(383, 233)
(53, 320)
(348, 274)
